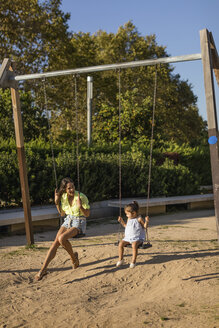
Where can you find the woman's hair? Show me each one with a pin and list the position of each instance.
(63, 185)
(132, 207)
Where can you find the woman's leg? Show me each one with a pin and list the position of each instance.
(63, 240)
(51, 254)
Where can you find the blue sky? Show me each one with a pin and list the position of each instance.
(175, 23)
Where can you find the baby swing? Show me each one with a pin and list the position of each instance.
(147, 243)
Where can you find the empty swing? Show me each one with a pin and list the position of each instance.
(147, 243)
(77, 143)
(79, 235)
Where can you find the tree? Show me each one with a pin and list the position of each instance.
(6, 115)
(34, 34)
(176, 116)
(34, 122)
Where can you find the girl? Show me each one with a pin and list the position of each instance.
(134, 232)
(75, 207)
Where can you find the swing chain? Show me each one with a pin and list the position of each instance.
(151, 143)
(77, 132)
(120, 155)
(50, 133)
(120, 149)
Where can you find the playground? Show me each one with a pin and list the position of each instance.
(173, 285)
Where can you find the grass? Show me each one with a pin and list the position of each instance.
(171, 226)
(213, 241)
(164, 318)
(181, 304)
(24, 251)
(110, 220)
(33, 247)
(194, 245)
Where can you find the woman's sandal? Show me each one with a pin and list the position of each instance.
(76, 261)
(40, 275)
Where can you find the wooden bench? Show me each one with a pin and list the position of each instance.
(12, 220)
(41, 216)
(48, 216)
(159, 205)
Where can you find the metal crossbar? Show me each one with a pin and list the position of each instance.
(137, 63)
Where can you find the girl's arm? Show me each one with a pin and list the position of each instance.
(120, 219)
(143, 223)
(146, 222)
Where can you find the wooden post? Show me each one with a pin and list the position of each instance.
(215, 58)
(22, 163)
(208, 57)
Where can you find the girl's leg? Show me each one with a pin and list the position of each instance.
(63, 240)
(135, 250)
(50, 255)
(122, 244)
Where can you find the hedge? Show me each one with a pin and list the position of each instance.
(99, 172)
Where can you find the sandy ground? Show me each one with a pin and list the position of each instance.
(175, 283)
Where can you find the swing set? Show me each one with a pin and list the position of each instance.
(210, 61)
(142, 245)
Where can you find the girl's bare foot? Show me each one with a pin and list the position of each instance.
(75, 262)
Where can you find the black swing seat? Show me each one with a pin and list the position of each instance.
(80, 235)
(145, 245)
(141, 246)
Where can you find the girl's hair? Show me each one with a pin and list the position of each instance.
(132, 207)
(63, 185)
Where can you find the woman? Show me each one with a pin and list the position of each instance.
(75, 207)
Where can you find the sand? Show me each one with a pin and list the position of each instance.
(175, 283)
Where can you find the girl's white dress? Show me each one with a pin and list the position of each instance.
(134, 231)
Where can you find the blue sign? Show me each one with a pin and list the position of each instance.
(212, 140)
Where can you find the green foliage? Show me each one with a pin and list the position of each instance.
(35, 35)
(6, 115)
(34, 122)
(99, 171)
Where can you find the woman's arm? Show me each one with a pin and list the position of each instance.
(58, 203)
(85, 211)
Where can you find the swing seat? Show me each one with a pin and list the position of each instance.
(145, 245)
(80, 235)
(141, 246)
